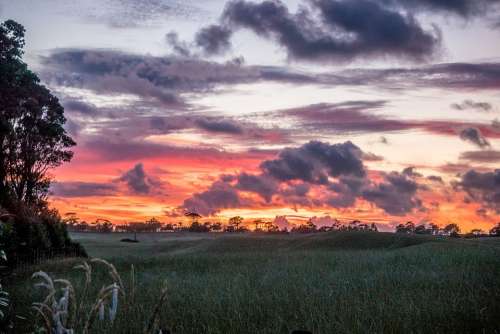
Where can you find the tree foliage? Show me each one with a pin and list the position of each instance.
(32, 137)
(32, 141)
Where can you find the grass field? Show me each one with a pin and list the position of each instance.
(339, 282)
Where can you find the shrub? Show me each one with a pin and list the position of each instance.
(27, 235)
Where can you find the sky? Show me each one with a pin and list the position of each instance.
(385, 111)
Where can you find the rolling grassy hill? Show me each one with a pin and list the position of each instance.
(339, 282)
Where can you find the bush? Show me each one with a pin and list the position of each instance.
(27, 235)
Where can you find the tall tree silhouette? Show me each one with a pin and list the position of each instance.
(236, 222)
(32, 136)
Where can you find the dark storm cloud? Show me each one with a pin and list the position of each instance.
(315, 161)
(214, 39)
(346, 189)
(472, 105)
(134, 13)
(483, 187)
(138, 181)
(474, 136)
(463, 76)
(82, 189)
(107, 149)
(154, 79)
(368, 156)
(311, 163)
(179, 48)
(350, 116)
(488, 156)
(219, 125)
(357, 116)
(410, 172)
(464, 8)
(337, 169)
(334, 30)
(396, 195)
(164, 79)
(495, 124)
(435, 178)
(460, 168)
(262, 185)
(220, 195)
(80, 107)
(295, 195)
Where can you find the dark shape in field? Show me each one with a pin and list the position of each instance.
(129, 240)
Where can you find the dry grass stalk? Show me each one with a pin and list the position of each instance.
(112, 272)
(153, 321)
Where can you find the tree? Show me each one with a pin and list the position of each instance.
(153, 225)
(103, 225)
(409, 227)
(271, 227)
(452, 229)
(193, 216)
(353, 226)
(216, 227)
(421, 229)
(495, 231)
(434, 229)
(32, 136)
(477, 232)
(257, 225)
(197, 227)
(236, 222)
(168, 227)
(311, 226)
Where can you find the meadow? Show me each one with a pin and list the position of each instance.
(337, 282)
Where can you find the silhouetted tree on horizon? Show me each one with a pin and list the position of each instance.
(235, 222)
(495, 231)
(452, 230)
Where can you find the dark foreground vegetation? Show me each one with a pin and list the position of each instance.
(335, 282)
(32, 141)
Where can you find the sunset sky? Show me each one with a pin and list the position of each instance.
(383, 111)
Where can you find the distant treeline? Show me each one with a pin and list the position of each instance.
(238, 224)
(452, 230)
(234, 224)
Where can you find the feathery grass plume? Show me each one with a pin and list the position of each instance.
(101, 312)
(43, 308)
(87, 269)
(103, 295)
(38, 307)
(153, 321)
(70, 299)
(4, 300)
(55, 313)
(112, 272)
(47, 281)
(113, 308)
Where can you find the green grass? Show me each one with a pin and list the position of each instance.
(341, 282)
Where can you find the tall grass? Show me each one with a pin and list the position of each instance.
(64, 311)
(268, 285)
